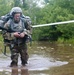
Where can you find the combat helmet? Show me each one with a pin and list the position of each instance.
(15, 10)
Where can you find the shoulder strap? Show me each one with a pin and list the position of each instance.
(23, 22)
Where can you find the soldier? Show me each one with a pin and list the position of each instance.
(22, 29)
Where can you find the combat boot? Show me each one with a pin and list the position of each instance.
(13, 64)
(24, 63)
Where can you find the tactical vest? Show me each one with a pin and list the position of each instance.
(17, 26)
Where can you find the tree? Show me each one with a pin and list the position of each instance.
(5, 6)
(57, 11)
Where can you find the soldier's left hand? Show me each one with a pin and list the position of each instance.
(22, 35)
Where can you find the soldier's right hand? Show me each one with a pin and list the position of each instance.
(16, 34)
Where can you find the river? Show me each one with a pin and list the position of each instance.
(44, 59)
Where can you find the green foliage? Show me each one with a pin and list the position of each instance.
(56, 11)
(53, 11)
(4, 6)
(16, 2)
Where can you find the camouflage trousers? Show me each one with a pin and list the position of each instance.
(15, 51)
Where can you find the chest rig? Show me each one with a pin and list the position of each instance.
(18, 27)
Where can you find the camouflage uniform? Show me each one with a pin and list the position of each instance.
(18, 45)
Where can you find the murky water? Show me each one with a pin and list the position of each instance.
(44, 59)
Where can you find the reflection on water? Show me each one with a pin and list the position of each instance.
(22, 71)
(44, 59)
(14, 71)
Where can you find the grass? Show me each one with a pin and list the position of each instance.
(69, 41)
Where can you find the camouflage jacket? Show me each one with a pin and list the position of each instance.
(24, 24)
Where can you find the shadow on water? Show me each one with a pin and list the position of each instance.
(44, 59)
